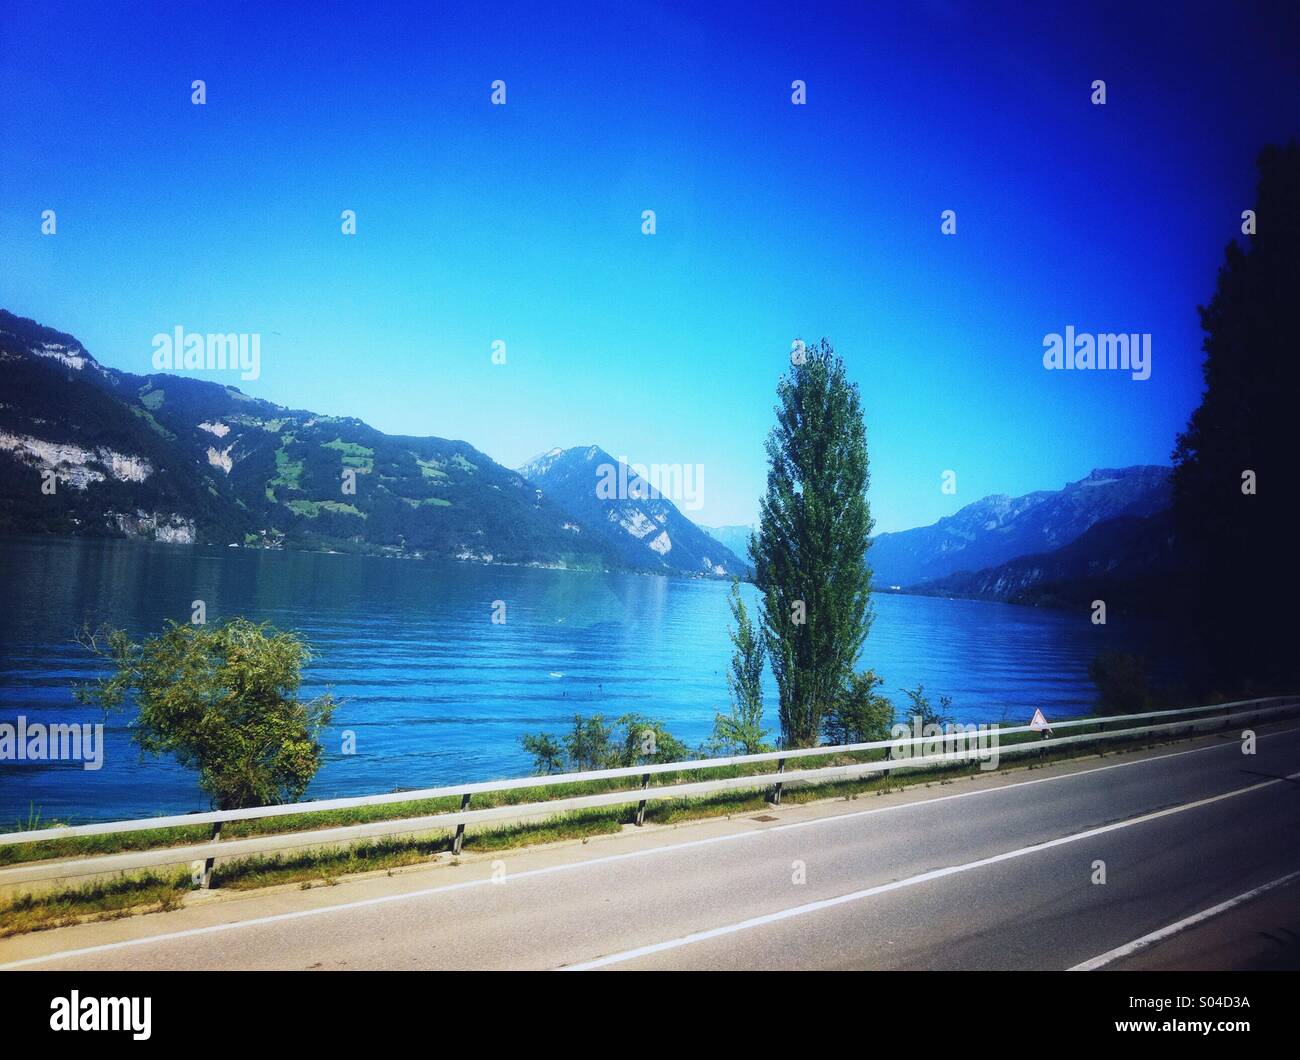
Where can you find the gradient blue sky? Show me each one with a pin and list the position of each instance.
(522, 223)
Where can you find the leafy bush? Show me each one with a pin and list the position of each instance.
(1122, 685)
(592, 743)
(919, 705)
(221, 699)
(860, 714)
(548, 754)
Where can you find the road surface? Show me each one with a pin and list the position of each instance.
(1003, 871)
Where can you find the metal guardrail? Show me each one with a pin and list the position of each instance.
(457, 820)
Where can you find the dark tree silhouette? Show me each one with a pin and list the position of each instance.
(1237, 549)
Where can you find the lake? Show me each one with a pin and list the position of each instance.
(434, 691)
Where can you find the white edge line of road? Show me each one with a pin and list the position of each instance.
(607, 859)
(911, 881)
(1130, 948)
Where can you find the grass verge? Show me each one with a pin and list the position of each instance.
(101, 900)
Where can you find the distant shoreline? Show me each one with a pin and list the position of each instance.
(371, 553)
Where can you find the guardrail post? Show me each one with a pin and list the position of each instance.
(640, 807)
(460, 828)
(206, 882)
(776, 793)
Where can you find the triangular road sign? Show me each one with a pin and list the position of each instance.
(1039, 723)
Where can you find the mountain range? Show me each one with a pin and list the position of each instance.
(735, 537)
(1109, 535)
(999, 529)
(642, 527)
(93, 450)
(1127, 561)
(89, 449)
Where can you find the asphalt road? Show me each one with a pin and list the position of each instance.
(998, 872)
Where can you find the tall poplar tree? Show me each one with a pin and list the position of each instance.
(810, 551)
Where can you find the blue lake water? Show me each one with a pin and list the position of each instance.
(433, 690)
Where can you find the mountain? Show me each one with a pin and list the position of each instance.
(175, 458)
(735, 538)
(998, 529)
(1127, 561)
(642, 528)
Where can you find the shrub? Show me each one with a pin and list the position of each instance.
(860, 714)
(221, 699)
(1122, 685)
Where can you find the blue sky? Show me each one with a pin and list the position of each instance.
(522, 223)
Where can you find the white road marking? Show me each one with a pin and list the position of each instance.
(607, 859)
(911, 881)
(1182, 925)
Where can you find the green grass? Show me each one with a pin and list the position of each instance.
(349, 448)
(395, 852)
(148, 418)
(105, 900)
(353, 454)
(288, 471)
(312, 509)
(431, 469)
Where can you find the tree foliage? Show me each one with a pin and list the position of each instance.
(740, 731)
(593, 743)
(1236, 548)
(860, 714)
(810, 552)
(919, 706)
(547, 752)
(221, 699)
(1121, 681)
